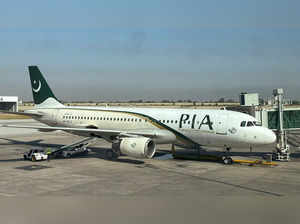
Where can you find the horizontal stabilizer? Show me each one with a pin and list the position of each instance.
(30, 114)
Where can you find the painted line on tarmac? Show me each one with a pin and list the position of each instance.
(7, 195)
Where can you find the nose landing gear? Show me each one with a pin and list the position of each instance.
(227, 160)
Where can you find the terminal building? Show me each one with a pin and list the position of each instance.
(249, 99)
(9, 103)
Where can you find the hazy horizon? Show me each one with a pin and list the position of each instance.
(151, 50)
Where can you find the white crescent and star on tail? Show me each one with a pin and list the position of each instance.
(39, 87)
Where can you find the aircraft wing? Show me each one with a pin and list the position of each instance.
(103, 132)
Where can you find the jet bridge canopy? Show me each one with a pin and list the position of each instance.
(270, 119)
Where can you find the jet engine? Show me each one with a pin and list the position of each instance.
(139, 147)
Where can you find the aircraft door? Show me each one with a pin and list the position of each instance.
(221, 124)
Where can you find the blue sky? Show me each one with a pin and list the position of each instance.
(124, 50)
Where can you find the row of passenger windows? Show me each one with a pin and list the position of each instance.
(249, 123)
(119, 119)
(102, 118)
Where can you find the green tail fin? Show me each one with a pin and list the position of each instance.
(42, 94)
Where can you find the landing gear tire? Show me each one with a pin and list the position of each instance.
(227, 160)
(33, 159)
(111, 155)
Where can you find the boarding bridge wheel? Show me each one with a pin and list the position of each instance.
(111, 155)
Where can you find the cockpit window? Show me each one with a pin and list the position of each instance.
(257, 123)
(243, 123)
(250, 123)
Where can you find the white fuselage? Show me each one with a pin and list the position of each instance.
(191, 126)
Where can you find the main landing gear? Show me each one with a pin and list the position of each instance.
(111, 154)
(114, 152)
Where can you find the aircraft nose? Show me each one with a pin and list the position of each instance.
(270, 137)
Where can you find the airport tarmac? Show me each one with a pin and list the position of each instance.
(90, 188)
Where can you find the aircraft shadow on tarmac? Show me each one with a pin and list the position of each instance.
(295, 153)
(99, 152)
(96, 152)
(232, 153)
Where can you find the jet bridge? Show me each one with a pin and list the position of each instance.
(283, 121)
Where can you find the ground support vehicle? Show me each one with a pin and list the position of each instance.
(35, 155)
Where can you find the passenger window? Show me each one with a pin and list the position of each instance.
(243, 123)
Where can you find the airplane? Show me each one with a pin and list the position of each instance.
(137, 131)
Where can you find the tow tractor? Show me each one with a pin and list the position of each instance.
(35, 155)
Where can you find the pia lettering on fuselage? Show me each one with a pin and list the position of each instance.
(188, 119)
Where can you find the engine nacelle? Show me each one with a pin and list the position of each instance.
(138, 147)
